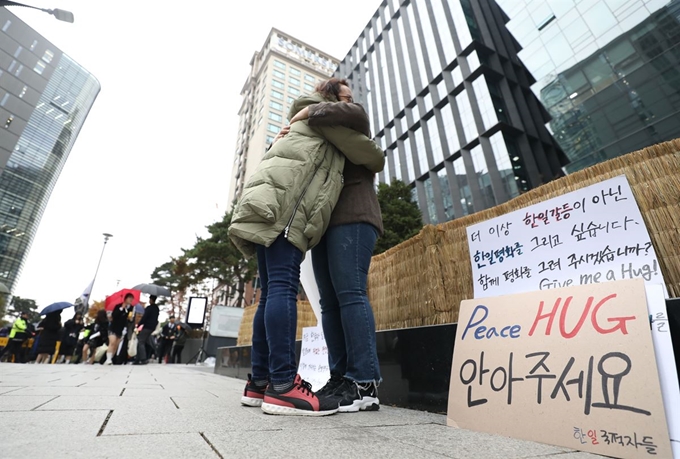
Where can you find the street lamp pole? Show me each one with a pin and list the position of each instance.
(61, 15)
(107, 236)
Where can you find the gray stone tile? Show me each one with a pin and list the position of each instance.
(162, 392)
(5, 389)
(84, 391)
(25, 427)
(388, 415)
(107, 402)
(23, 403)
(349, 443)
(464, 444)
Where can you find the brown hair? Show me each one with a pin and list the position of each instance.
(330, 89)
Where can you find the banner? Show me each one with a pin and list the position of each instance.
(592, 235)
(314, 366)
(572, 367)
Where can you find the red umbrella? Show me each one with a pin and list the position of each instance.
(118, 297)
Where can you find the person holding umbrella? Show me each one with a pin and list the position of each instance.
(178, 346)
(69, 337)
(119, 318)
(49, 329)
(168, 335)
(145, 327)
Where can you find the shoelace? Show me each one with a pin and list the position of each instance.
(305, 386)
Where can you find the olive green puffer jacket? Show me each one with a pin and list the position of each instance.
(296, 186)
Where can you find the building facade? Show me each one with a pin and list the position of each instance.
(283, 70)
(450, 103)
(608, 71)
(45, 97)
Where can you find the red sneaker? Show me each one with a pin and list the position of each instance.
(299, 400)
(252, 395)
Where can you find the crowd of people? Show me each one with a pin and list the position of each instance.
(118, 337)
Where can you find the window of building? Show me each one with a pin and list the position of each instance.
(429, 197)
(278, 84)
(390, 44)
(275, 105)
(273, 128)
(290, 100)
(279, 64)
(48, 56)
(6, 26)
(269, 139)
(408, 153)
(447, 201)
(482, 173)
(294, 81)
(275, 117)
(39, 67)
(484, 102)
(463, 186)
(294, 91)
(419, 58)
(294, 71)
(504, 165)
(466, 117)
(435, 141)
(308, 87)
(397, 164)
(279, 74)
(277, 95)
(421, 151)
(432, 59)
(400, 30)
(308, 77)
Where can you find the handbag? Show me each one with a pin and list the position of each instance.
(100, 352)
(132, 345)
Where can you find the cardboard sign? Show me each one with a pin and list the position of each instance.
(595, 234)
(314, 366)
(572, 367)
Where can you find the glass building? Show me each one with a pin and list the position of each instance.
(608, 71)
(451, 104)
(45, 97)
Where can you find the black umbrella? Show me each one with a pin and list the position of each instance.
(184, 326)
(56, 307)
(152, 289)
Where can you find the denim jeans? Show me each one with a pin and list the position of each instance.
(341, 262)
(275, 322)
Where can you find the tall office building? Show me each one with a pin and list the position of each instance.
(450, 103)
(608, 71)
(45, 97)
(283, 70)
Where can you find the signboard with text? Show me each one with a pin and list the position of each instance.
(313, 366)
(572, 367)
(595, 234)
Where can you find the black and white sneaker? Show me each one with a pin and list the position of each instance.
(356, 397)
(331, 386)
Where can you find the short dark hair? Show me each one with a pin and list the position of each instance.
(128, 295)
(330, 89)
(171, 317)
(153, 297)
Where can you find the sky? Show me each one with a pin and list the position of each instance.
(152, 163)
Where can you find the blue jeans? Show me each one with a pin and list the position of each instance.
(341, 262)
(275, 321)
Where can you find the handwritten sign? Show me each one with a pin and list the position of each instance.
(313, 366)
(572, 367)
(592, 235)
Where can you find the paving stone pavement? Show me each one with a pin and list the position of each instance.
(178, 411)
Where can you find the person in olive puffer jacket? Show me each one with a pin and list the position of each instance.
(284, 211)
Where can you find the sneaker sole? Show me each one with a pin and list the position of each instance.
(270, 408)
(365, 404)
(250, 401)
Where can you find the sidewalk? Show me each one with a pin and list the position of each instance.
(178, 411)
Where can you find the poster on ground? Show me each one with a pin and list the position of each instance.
(313, 366)
(572, 367)
(592, 235)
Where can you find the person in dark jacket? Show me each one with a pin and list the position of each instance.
(178, 346)
(341, 262)
(49, 329)
(145, 327)
(97, 336)
(69, 336)
(168, 335)
(119, 319)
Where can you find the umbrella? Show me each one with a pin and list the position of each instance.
(118, 297)
(3, 288)
(152, 289)
(56, 307)
(184, 326)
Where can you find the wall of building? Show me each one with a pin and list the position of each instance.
(45, 97)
